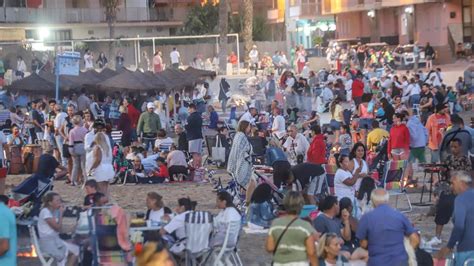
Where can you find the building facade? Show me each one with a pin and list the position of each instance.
(443, 23)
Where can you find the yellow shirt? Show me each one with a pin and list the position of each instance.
(375, 136)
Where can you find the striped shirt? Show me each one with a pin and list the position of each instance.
(292, 246)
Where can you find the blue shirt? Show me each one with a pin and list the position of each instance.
(385, 228)
(418, 133)
(213, 119)
(8, 231)
(463, 218)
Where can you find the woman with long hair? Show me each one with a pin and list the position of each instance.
(101, 170)
(49, 226)
(228, 214)
(337, 117)
(88, 119)
(358, 161)
(240, 159)
(291, 239)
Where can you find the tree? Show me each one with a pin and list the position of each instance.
(247, 9)
(201, 20)
(111, 9)
(223, 30)
(261, 31)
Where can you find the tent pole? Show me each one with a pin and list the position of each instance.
(154, 51)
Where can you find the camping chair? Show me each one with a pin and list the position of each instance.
(392, 180)
(117, 136)
(199, 227)
(258, 156)
(45, 259)
(104, 241)
(330, 174)
(227, 254)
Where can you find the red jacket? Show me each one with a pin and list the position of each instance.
(134, 115)
(317, 150)
(357, 88)
(399, 138)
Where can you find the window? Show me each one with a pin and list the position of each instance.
(90, 32)
(466, 15)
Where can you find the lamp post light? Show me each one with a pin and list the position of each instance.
(371, 13)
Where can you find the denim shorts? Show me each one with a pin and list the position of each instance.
(365, 123)
(335, 125)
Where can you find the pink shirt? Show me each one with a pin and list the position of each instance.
(77, 134)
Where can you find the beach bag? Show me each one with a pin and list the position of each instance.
(218, 152)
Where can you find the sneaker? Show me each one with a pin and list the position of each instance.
(434, 241)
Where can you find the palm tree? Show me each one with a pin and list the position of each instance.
(223, 29)
(247, 8)
(111, 9)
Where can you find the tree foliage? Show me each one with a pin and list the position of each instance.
(202, 20)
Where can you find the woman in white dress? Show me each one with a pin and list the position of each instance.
(102, 169)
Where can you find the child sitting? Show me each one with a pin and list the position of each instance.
(91, 190)
(162, 142)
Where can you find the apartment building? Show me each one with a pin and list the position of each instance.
(305, 21)
(443, 23)
(85, 19)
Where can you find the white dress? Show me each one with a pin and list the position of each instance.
(105, 171)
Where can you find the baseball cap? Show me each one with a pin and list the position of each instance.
(150, 105)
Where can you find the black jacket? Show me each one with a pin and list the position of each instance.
(182, 142)
(194, 126)
(223, 89)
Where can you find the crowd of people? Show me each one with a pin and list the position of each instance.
(123, 137)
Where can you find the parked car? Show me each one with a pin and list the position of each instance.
(404, 57)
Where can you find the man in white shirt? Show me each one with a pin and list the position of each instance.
(278, 125)
(249, 115)
(175, 58)
(253, 55)
(386, 82)
(327, 94)
(296, 146)
(88, 60)
(57, 123)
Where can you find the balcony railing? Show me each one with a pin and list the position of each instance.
(305, 10)
(88, 15)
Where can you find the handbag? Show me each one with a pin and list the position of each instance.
(218, 152)
(281, 236)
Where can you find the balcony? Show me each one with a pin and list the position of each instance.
(89, 15)
(305, 9)
(343, 6)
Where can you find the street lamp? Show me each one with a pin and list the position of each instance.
(409, 10)
(371, 13)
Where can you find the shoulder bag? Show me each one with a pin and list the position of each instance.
(281, 236)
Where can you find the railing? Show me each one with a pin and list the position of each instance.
(88, 15)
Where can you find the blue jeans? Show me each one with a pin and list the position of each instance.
(149, 142)
(461, 257)
(414, 99)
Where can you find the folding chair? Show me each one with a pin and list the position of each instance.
(392, 180)
(199, 228)
(227, 254)
(330, 174)
(104, 241)
(45, 259)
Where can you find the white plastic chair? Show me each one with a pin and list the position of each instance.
(227, 254)
(45, 259)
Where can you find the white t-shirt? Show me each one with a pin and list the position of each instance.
(59, 120)
(298, 145)
(166, 142)
(177, 225)
(88, 61)
(174, 55)
(278, 126)
(156, 215)
(3, 140)
(342, 190)
(229, 214)
(177, 158)
(44, 229)
(247, 116)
